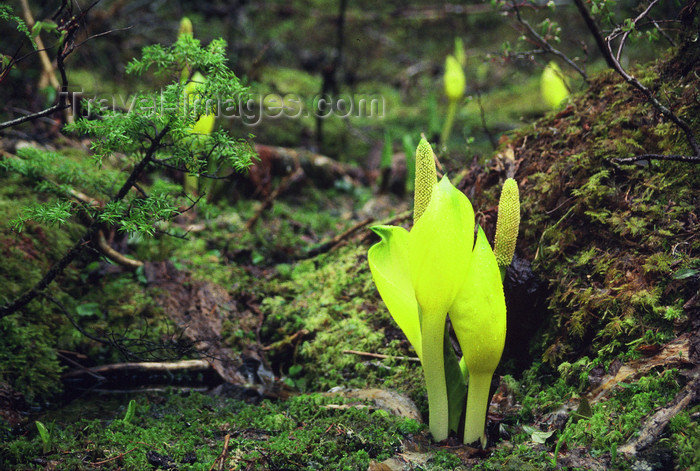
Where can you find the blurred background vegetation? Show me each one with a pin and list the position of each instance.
(392, 50)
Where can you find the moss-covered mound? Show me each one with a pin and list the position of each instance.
(618, 245)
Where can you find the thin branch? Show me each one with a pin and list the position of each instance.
(614, 63)
(70, 27)
(626, 34)
(649, 157)
(336, 241)
(380, 356)
(595, 31)
(125, 345)
(657, 104)
(104, 33)
(37, 115)
(482, 113)
(546, 46)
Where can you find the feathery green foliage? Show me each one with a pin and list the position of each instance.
(6, 14)
(151, 133)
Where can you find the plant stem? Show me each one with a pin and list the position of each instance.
(477, 405)
(449, 121)
(434, 370)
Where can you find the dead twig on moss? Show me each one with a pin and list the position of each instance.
(289, 340)
(380, 356)
(656, 425)
(338, 240)
(221, 459)
(119, 456)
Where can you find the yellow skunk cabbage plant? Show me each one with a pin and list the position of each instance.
(204, 126)
(553, 86)
(435, 269)
(455, 86)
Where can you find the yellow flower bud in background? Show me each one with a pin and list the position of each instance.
(455, 81)
(426, 178)
(185, 27)
(553, 86)
(507, 223)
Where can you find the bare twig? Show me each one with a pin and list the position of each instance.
(672, 157)
(33, 116)
(489, 134)
(125, 345)
(69, 25)
(119, 456)
(145, 367)
(656, 424)
(625, 34)
(337, 240)
(115, 256)
(380, 356)
(221, 459)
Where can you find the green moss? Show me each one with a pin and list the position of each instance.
(615, 420)
(303, 432)
(328, 297)
(684, 438)
(27, 360)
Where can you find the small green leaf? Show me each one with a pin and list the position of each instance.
(45, 436)
(295, 370)
(584, 410)
(130, 411)
(537, 435)
(684, 273)
(39, 26)
(88, 309)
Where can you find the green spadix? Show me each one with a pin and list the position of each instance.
(507, 225)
